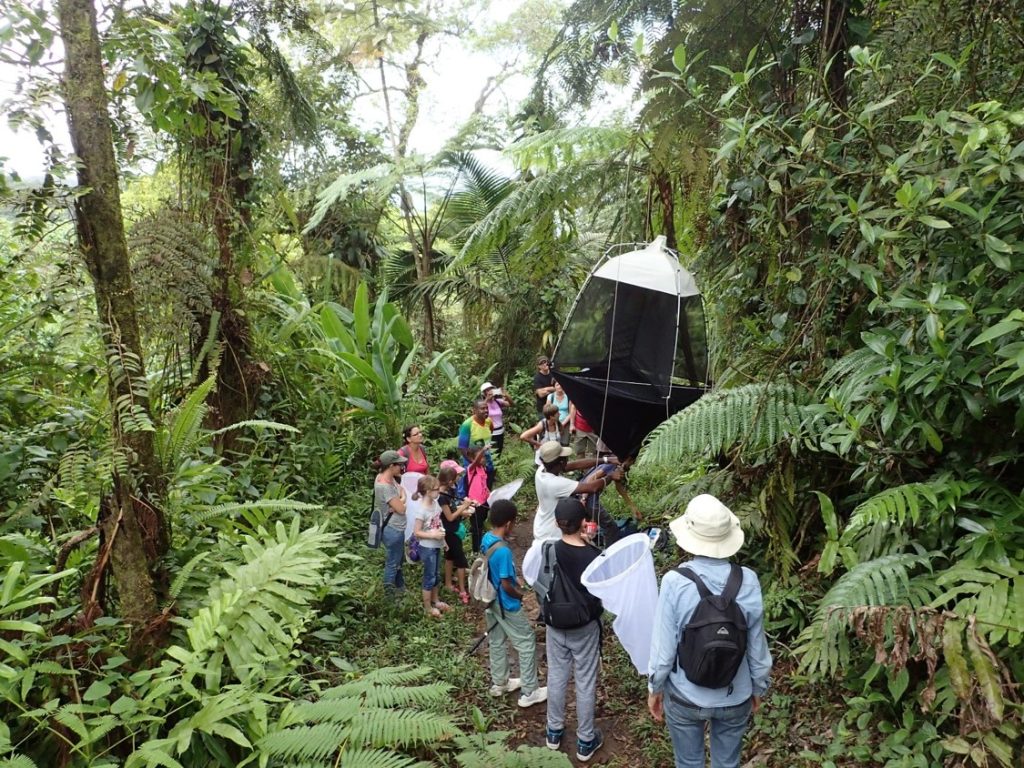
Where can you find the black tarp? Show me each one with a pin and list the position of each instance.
(630, 410)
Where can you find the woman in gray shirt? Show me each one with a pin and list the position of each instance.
(389, 498)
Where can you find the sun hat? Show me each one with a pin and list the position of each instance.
(392, 457)
(552, 450)
(453, 465)
(485, 387)
(708, 528)
(570, 510)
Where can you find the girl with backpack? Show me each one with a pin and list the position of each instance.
(695, 682)
(477, 490)
(453, 517)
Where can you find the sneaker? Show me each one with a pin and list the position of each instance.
(586, 749)
(538, 696)
(554, 737)
(500, 690)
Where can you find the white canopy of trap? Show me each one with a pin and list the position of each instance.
(623, 577)
(653, 267)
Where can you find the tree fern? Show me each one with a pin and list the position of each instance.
(758, 416)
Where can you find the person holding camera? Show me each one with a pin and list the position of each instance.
(497, 401)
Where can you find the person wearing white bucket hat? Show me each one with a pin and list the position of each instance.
(497, 403)
(711, 532)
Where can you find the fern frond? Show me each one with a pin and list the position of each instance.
(498, 755)
(381, 727)
(398, 675)
(305, 742)
(391, 694)
(378, 758)
(186, 573)
(256, 424)
(757, 415)
(177, 437)
(990, 592)
(253, 618)
(884, 581)
(206, 516)
(365, 733)
(874, 521)
(18, 761)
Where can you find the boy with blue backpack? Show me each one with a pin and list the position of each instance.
(709, 662)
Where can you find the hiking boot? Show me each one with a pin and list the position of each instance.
(500, 690)
(554, 737)
(538, 696)
(586, 749)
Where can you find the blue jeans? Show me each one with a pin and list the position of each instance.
(686, 726)
(394, 553)
(429, 558)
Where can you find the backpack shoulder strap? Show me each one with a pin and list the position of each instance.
(493, 548)
(735, 581)
(548, 556)
(702, 588)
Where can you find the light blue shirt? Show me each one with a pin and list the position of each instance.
(676, 602)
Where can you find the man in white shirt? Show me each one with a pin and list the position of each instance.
(551, 486)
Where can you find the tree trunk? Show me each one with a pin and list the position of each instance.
(133, 531)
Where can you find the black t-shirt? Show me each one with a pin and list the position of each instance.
(447, 499)
(542, 380)
(573, 561)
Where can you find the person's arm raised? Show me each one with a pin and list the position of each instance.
(599, 482)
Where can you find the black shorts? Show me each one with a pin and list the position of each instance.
(455, 553)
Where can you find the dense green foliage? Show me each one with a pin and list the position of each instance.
(846, 181)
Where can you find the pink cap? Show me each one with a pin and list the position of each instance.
(451, 464)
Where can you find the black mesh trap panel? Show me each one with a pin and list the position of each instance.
(628, 413)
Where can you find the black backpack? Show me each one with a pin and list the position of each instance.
(562, 604)
(714, 640)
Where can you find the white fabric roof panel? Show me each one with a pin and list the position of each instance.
(653, 268)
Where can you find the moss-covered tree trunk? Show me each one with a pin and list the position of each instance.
(133, 532)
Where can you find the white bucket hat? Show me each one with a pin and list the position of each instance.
(708, 528)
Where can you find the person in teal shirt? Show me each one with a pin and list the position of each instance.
(507, 622)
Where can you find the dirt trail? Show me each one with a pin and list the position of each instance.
(620, 746)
